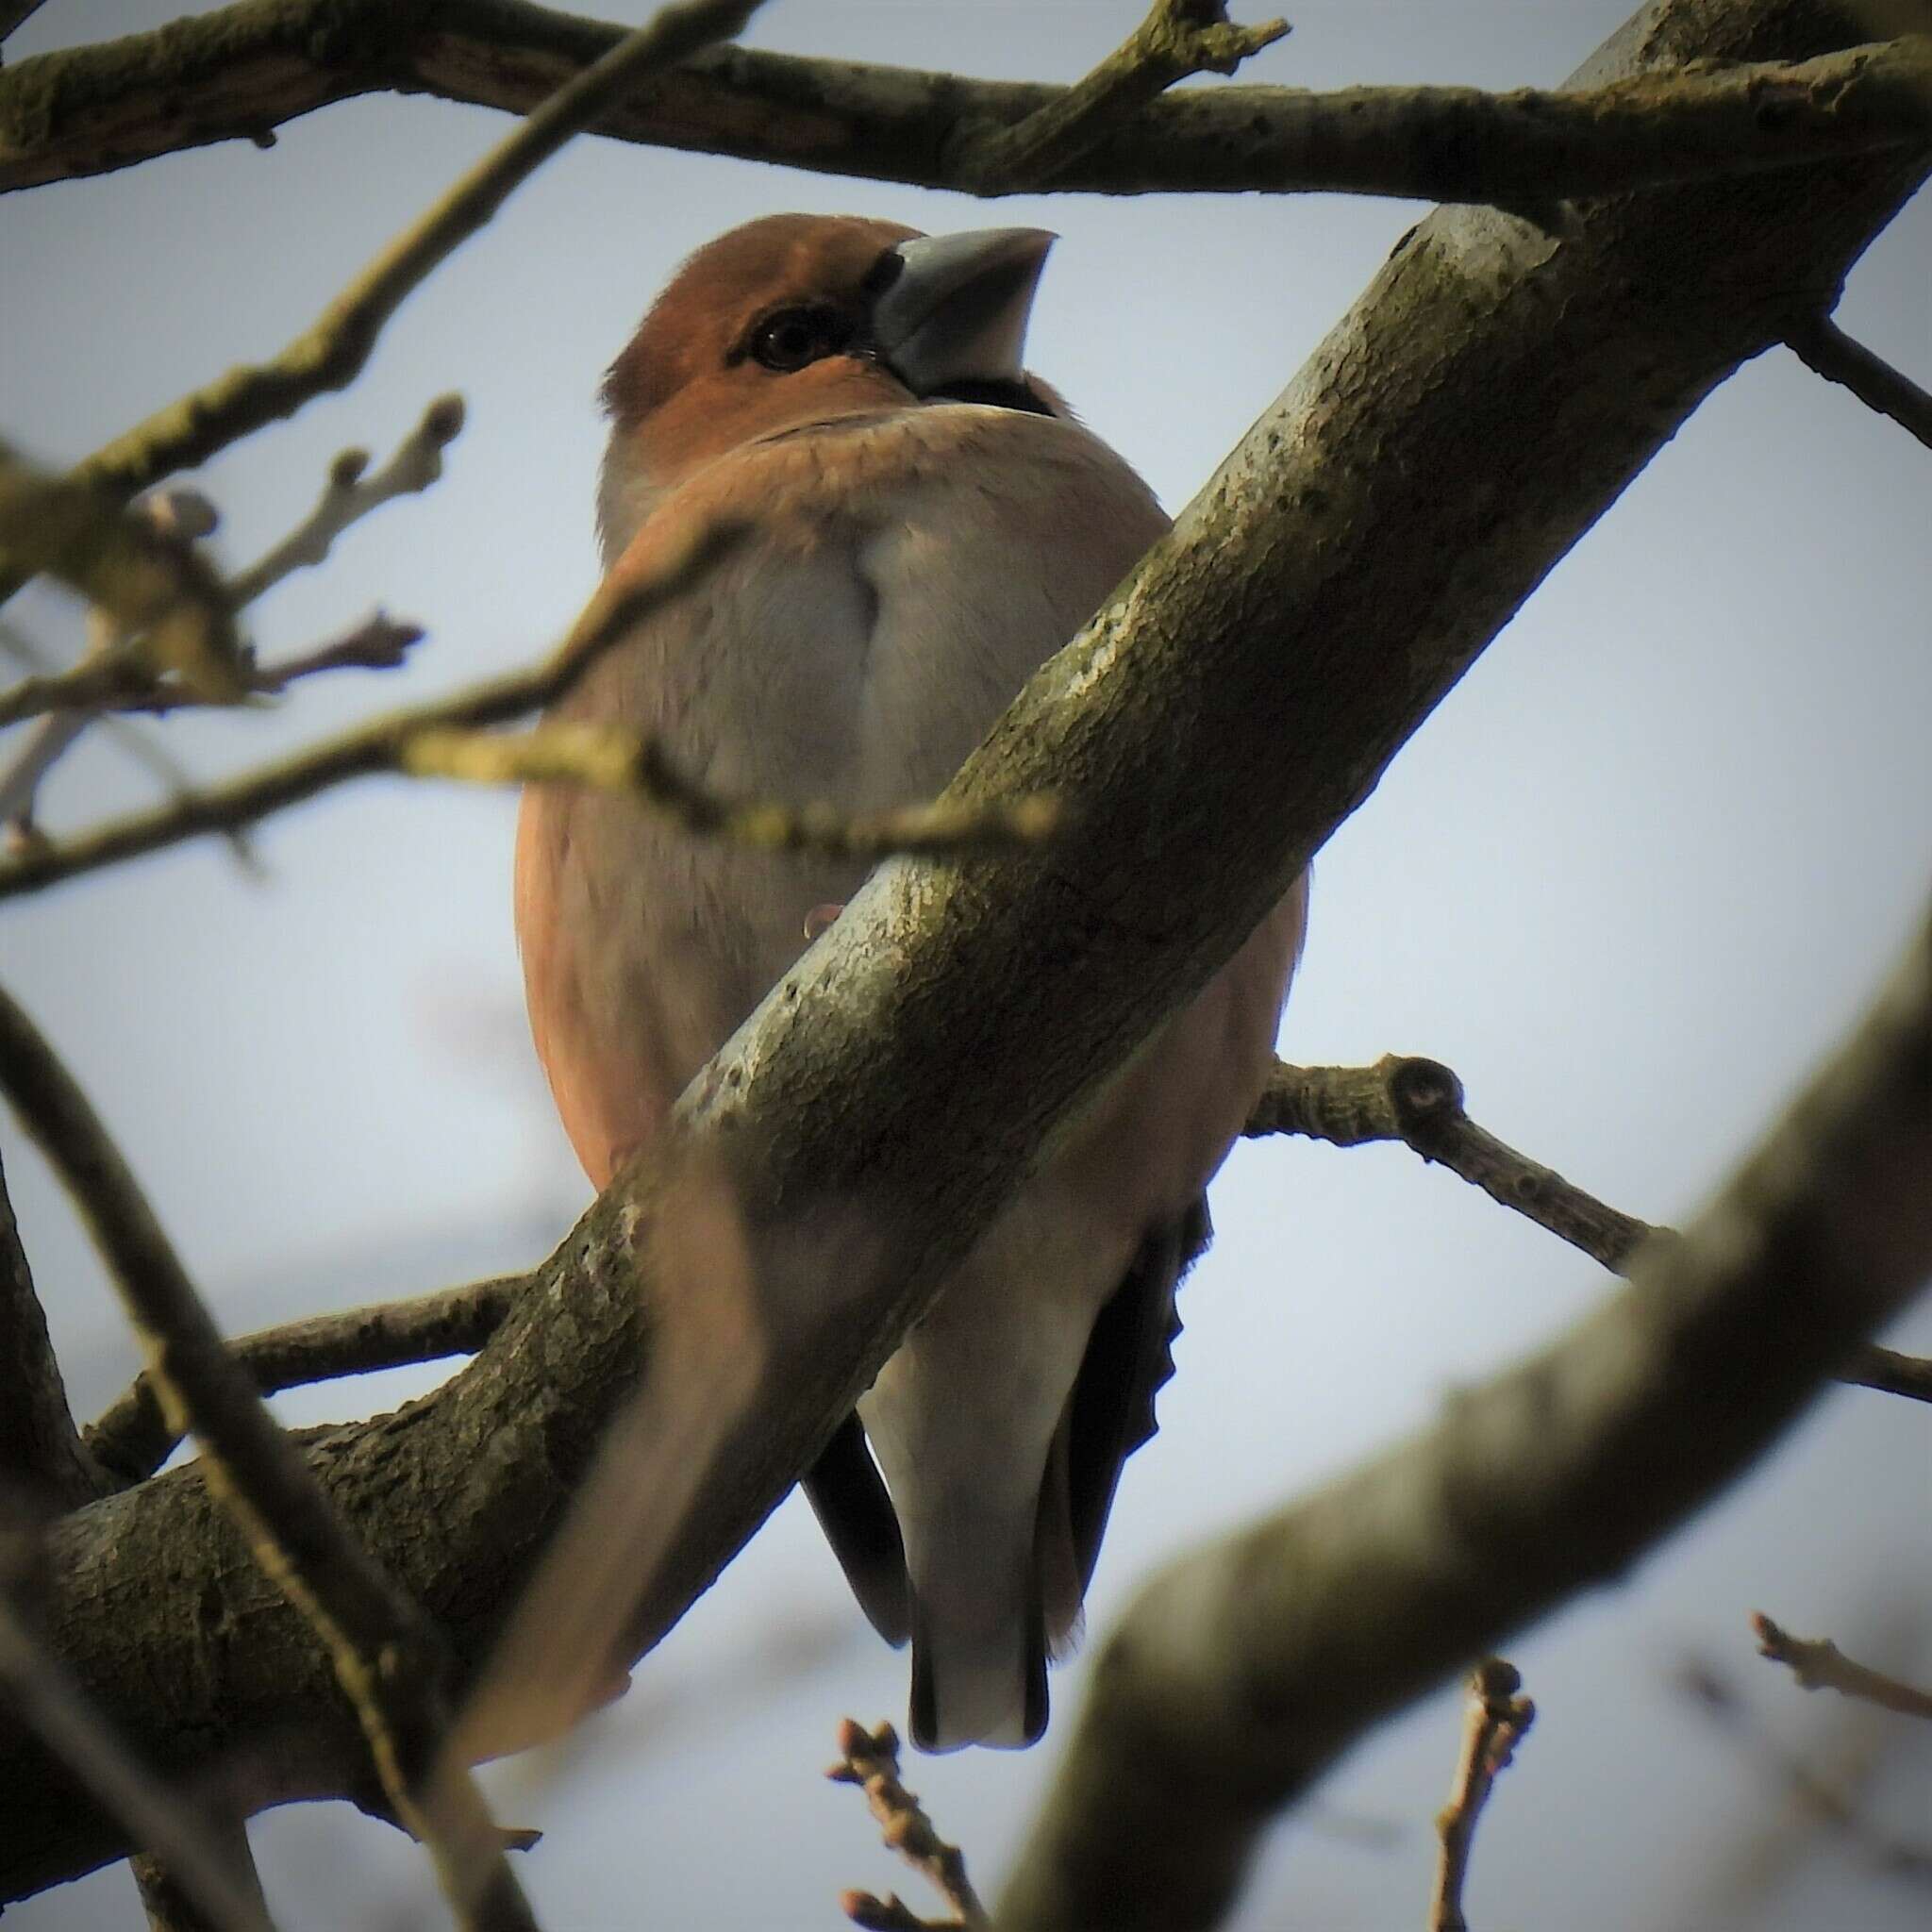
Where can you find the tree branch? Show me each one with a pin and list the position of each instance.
(1419, 1101)
(1819, 1664)
(388, 1658)
(1178, 39)
(1243, 1671)
(870, 1760)
(892, 1091)
(1496, 1720)
(134, 1435)
(1826, 350)
(40, 1454)
(238, 73)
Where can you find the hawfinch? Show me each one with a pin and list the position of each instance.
(928, 523)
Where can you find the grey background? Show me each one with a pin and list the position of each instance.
(1638, 871)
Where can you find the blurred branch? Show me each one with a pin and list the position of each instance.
(1419, 1101)
(612, 759)
(173, 1905)
(135, 1434)
(1826, 350)
(1819, 1664)
(1498, 1717)
(164, 604)
(376, 747)
(243, 69)
(870, 1760)
(42, 1689)
(1178, 39)
(1244, 1668)
(331, 352)
(388, 1660)
(40, 1454)
(13, 12)
(1821, 1794)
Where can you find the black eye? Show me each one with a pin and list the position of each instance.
(794, 337)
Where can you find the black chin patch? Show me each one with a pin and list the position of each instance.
(995, 394)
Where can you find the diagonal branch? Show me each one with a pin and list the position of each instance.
(1819, 1664)
(1239, 1672)
(883, 1103)
(1178, 39)
(1419, 1101)
(41, 1459)
(1826, 350)
(870, 1760)
(244, 69)
(388, 1658)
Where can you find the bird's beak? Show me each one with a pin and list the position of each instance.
(956, 310)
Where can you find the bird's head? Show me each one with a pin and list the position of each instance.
(802, 319)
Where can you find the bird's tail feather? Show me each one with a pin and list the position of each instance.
(978, 1644)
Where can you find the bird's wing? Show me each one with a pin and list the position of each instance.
(848, 1496)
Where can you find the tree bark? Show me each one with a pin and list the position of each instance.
(1491, 394)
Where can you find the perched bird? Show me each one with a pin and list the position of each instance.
(927, 524)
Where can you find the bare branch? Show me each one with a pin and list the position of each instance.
(245, 69)
(171, 1904)
(1498, 1717)
(1242, 1671)
(331, 352)
(1828, 351)
(40, 1454)
(870, 1760)
(348, 496)
(134, 1436)
(388, 1660)
(612, 759)
(41, 1688)
(1178, 39)
(1819, 1664)
(157, 594)
(1419, 1101)
(375, 747)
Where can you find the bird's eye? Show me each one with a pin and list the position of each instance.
(794, 337)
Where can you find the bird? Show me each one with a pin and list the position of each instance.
(924, 523)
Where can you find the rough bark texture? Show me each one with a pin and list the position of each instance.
(1491, 394)
(240, 71)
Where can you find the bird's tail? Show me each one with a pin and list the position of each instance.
(978, 1636)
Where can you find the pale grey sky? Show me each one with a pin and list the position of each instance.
(1635, 876)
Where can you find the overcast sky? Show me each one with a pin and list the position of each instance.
(1640, 869)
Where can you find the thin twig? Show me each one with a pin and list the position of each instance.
(870, 1760)
(611, 760)
(348, 496)
(1819, 1664)
(1419, 1101)
(134, 1435)
(1498, 1718)
(331, 352)
(41, 1688)
(388, 1658)
(369, 749)
(1826, 349)
(1178, 38)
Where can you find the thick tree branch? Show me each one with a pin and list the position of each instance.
(241, 71)
(388, 1658)
(1419, 1101)
(1245, 1669)
(171, 1904)
(893, 1089)
(134, 1435)
(1826, 350)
